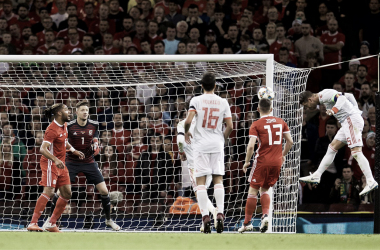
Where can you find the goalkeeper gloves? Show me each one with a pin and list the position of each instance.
(96, 147)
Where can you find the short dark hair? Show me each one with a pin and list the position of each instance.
(364, 66)
(208, 81)
(332, 121)
(82, 103)
(284, 49)
(265, 104)
(159, 41)
(193, 6)
(304, 96)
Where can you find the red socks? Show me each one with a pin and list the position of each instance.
(59, 208)
(265, 202)
(40, 207)
(250, 208)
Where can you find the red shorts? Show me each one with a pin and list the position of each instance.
(264, 176)
(53, 176)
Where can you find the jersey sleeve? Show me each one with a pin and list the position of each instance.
(227, 114)
(328, 96)
(181, 127)
(193, 105)
(50, 135)
(253, 130)
(285, 127)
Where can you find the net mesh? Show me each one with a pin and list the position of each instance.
(148, 192)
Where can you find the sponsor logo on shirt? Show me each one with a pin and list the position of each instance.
(75, 133)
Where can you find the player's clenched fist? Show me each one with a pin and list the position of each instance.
(59, 163)
(330, 112)
(245, 167)
(95, 147)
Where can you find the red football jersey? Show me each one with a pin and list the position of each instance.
(335, 56)
(269, 131)
(56, 136)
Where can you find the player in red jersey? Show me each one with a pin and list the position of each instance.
(83, 134)
(54, 171)
(268, 131)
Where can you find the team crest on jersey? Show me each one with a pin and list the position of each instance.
(271, 120)
(83, 132)
(90, 132)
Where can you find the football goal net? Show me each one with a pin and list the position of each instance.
(138, 102)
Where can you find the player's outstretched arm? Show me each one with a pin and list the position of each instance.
(229, 128)
(74, 151)
(250, 151)
(288, 145)
(45, 152)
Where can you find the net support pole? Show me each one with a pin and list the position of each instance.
(376, 215)
(269, 83)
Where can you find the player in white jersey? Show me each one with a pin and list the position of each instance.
(210, 111)
(345, 108)
(187, 161)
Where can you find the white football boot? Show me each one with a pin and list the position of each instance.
(264, 223)
(244, 228)
(113, 225)
(313, 179)
(371, 185)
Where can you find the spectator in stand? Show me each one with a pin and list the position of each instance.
(32, 169)
(87, 41)
(157, 124)
(161, 93)
(322, 19)
(8, 12)
(346, 188)
(18, 147)
(108, 47)
(249, 11)
(120, 136)
(244, 26)
(73, 43)
(61, 15)
(116, 14)
(33, 127)
(47, 23)
(159, 47)
(131, 114)
(366, 98)
(104, 113)
(338, 87)
(33, 43)
(7, 42)
(181, 29)
(140, 34)
(40, 26)
(369, 26)
(210, 38)
(59, 43)
(276, 45)
(72, 11)
(231, 39)
(361, 76)
(112, 169)
(49, 41)
(244, 44)
(135, 13)
(286, 11)
(307, 44)
(103, 15)
(220, 24)
(213, 48)
(23, 19)
(145, 47)
(152, 32)
(295, 32)
(194, 38)
(105, 138)
(333, 42)
(3, 26)
(173, 15)
(372, 118)
(89, 14)
(147, 11)
(371, 63)
(154, 171)
(236, 12)
(258, 39)
(72, 22)
(103, 29)
(170, 42)
(284, 57)
(270, 33)
(159, 17)
(16, 35)
(194, 21)
(128, 28)
(349, 82)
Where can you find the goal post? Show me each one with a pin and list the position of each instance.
(145, 195)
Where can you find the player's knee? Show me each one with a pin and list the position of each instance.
(49, 192)
(67, 194)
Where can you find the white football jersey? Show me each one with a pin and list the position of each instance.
(329, 97)
(187, 148)
(210, 111)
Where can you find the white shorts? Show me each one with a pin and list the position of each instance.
(194, 180)
(351, 131)
(208, 163)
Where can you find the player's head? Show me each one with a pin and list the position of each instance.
(208, 81)
(307, 100)
(58, 111)
(82, 109)
(265, 106)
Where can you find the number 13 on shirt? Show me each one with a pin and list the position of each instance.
(277, 128)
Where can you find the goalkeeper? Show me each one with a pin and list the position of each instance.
(345, 108)
(186, 154)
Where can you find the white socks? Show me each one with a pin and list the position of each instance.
(202, 199)
(210, 206)
(326, 161)
(364, 164)
(219, 197)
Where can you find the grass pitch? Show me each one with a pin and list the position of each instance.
(195, 241)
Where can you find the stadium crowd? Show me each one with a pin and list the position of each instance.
(138, 124)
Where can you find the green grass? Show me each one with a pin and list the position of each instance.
(196, 241)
